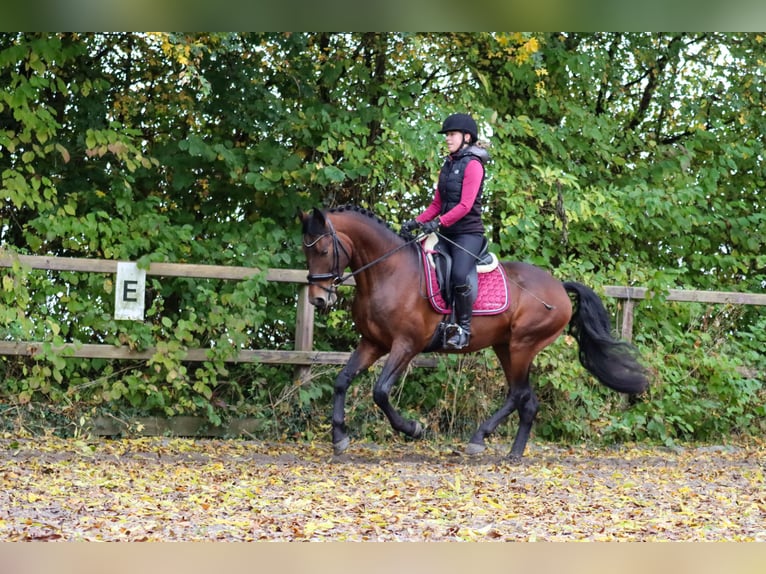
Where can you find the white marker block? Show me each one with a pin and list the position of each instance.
(129, 292)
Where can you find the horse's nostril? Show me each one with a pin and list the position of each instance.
(318, 302)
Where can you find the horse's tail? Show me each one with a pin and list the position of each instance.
(613, 362)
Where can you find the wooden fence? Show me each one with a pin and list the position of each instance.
(303, 355)
(629, 295)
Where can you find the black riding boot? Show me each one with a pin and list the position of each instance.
(459, 333)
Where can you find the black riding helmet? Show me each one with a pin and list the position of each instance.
(461, 123)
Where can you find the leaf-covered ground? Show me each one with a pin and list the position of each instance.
(182, 489)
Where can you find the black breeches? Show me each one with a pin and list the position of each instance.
(463, 260)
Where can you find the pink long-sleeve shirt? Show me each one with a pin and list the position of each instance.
(474, 173)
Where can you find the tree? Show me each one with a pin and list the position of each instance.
(618, 158)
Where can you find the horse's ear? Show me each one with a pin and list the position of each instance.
(315, 220)
(318, 219)
(304, 215)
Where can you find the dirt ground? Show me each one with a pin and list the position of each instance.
(172, 489)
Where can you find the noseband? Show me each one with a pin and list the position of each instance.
(337, 245)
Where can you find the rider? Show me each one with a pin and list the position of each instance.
(456, 212)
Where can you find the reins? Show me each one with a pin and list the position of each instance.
(335, 274)
(383, 257)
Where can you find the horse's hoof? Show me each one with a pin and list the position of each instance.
(419, 431)
(514, 458)
(473, 448)
(341, 446)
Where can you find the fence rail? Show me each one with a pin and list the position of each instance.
(629, 295)
(303, 356)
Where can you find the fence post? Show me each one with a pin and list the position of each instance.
(304, 329)
(627, 319)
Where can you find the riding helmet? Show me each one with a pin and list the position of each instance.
(461, 123)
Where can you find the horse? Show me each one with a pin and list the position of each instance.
(394, 317)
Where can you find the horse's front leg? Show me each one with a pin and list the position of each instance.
(361, 359)
(394, 367)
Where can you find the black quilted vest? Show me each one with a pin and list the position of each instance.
(451, 186)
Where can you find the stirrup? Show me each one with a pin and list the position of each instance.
(455, 337)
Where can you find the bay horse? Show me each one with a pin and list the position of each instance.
(394, 317)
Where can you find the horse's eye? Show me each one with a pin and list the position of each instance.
(324, 252)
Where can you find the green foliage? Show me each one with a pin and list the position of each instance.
(703, 391)
(618, 159)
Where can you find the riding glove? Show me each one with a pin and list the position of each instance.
(430, 226)
(409, 226)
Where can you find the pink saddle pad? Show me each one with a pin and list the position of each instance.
(492, 297)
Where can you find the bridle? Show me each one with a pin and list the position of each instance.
(335, 274)
(337, 245)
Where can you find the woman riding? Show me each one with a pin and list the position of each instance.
(456, 213)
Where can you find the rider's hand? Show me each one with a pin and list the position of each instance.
(430, 226)
(409, 226)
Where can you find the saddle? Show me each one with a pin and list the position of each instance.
(487, 280)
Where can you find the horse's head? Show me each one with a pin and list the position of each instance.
(326, 257)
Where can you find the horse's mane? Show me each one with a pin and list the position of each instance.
(361, 211)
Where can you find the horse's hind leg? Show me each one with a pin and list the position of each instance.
(528, 406)
(477, 444)
(361, 359)
(520, 397)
